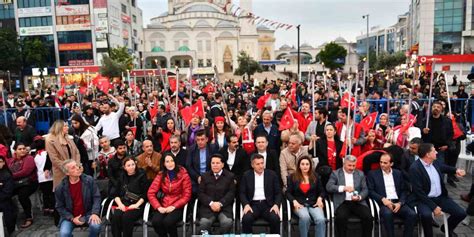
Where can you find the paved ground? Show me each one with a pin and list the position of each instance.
(43, 226)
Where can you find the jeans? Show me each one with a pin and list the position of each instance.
(66, 228)
(311, 214)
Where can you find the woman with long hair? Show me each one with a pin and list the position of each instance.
(306, 194)
(89, 137)
(6, 194)
(129, 202)
(60, 147)
(163, 135)
(220, 131)
(134, 147)
(173, 186)
(23, 168)
(329, 153)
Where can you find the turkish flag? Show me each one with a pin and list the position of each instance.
(292, 93)
(61, 92)
(135, 88)
(287, 120)
(154, 111)
(83, 90)
(102, 83)
(208, 88)
(189, 112)
(345, 101)
(456, 129)
(263, 100)
(368, 122)
(172, 82)
(411, 122)
(134, 130)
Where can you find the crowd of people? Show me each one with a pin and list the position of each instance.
(253, 144)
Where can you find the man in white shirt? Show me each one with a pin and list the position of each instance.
(109, 122)
(349, 189)
(387, 187)
(260, 195)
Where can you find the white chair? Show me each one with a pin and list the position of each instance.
(215, 224)
(463, 155)
(147, 221)
(294, 221)
(108, 223)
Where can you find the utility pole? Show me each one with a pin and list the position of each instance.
(299, 59)
(368, 50)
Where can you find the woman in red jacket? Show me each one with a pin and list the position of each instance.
(173, 188)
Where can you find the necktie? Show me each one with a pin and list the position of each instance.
(217, 176)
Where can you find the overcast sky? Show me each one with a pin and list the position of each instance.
(320, 20)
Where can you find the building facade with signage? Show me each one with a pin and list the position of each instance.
(204, 34)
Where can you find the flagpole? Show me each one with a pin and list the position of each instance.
(313, 77)
(190, 81)
(347, 118)
(431, 93)
(447, 92)
(177, 91)
(339, 83)
(353, 114)
(388, 100)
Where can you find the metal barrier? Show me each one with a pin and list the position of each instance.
(40, 118)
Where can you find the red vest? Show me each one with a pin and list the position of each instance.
(356, 150)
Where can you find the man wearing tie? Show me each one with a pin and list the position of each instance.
(387, 188)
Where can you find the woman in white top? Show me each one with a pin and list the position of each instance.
(88, 135)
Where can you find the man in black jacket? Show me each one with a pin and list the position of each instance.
(260, 195)
(115, 168)
(216, 196)
(235, 158)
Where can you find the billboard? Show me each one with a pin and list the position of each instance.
(38, 30)
(34, 11)
(73, 27)
(75, 46)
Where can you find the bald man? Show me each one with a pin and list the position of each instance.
(149, 160)
(24, 133)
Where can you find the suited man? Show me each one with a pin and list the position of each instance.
(216, 196)
(260, 194)
(198, 160)
(387, 188)
(270, 130)
(235, 158)
(428, 187)
(270, 156)
(180, 154)
(409, 156)
(349, 190)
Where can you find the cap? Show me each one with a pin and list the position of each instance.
(219, 119)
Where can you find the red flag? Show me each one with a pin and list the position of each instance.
(411, 121)
(456, 129)
(345, 101)
(368, 122)
(83, 90)
(135, 88)
(287, 120)
(172, 82)
(208, 88)
(134, 130)
(154, 111)
(263, 100)
(61, 92)
(102, 83)
(292, 94)
(189, 112)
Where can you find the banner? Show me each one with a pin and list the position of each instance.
(71, 10)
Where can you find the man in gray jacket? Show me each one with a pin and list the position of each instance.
(349, 190)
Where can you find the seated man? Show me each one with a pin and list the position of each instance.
(387, 188)
(432, 196)
(349, 191)
(216, 196)
(77, 201)
(260, 194)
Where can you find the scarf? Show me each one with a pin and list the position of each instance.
(192, 134)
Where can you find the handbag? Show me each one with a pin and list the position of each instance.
(22, 182)
(130, 196)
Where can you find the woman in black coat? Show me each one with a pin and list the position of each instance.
(131, 201)
(6, 194)
(329, 153)
(306, 194)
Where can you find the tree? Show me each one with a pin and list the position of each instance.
(121, 55)
(333, 56)
(111, 68)
(247, 65)
(10, 56)
(35, 54)
(389, 61)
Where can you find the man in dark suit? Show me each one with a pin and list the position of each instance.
(349, 190)
(428, 186)
(235, 158)
(270, 131)
(387, 188)
(216, 196)
(260, 194)
(198, 160)
(180, 154)
(271, 160)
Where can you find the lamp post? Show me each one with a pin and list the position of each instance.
(368, 50)
(299, 59)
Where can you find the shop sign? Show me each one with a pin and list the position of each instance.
(73, 27)
(71, 10)
(38, 30)
(75, 46)
(85, 69)
(34, 11)
(84, 62)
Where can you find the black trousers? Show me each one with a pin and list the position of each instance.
(348, 209)
(261, 209)
(123, 222)
(24, 194)
(166, 224)
(9, 214)
(48, 195)
(452, 155)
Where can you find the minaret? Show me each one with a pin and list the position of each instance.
(170, 7)
(247, 28)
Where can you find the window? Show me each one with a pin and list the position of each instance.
(209, 62)
(65, 37)
(200, 63)
(36, 21)
(208, 45)
(199, 45)
(134, 18)
(124, 9)
(134, 3)
(135, 33)
(33, 3)
(68, 20)
(66, 56)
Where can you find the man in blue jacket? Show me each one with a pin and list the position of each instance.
(387, 188)
(430, 191)
(77, 201)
